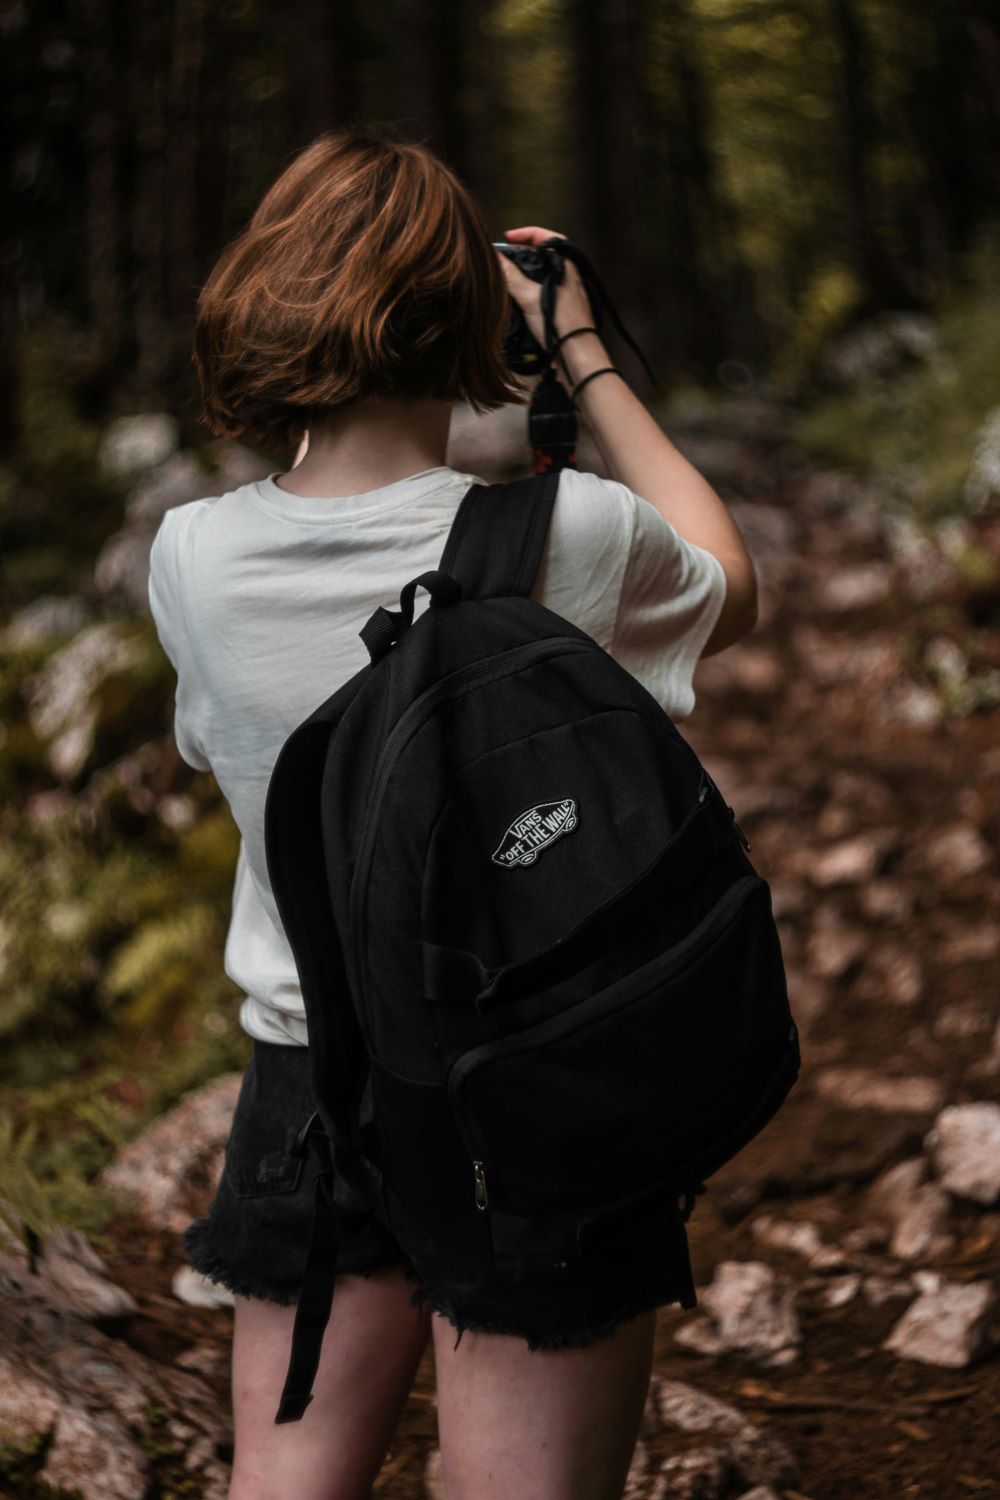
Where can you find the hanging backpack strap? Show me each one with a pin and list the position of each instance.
(346, 1182)
(498, 536)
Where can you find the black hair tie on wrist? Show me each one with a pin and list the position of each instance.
(604, 370)
(586, 328)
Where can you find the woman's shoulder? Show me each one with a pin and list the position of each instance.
(593, 511)
(182, 522)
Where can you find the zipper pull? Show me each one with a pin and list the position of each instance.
(480, 1174)
(743, 838)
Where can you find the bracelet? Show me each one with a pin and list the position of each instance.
(604, 370)
(587, 328)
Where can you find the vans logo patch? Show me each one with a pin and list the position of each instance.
(534, 830)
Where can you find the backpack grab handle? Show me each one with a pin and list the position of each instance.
(386, 625)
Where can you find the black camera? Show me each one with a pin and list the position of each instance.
(522, 352)
(552, 416)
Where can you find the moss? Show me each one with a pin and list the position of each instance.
(20, 1467)
(171, 1480)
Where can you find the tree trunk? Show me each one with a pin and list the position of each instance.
(881, 284)
(148, 281)
(104, 285)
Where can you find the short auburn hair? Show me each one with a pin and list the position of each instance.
(367, 270)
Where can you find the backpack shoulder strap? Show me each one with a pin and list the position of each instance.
(498, 535)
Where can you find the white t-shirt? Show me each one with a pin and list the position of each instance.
(258, 596)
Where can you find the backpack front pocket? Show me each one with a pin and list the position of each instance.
(634, 1084)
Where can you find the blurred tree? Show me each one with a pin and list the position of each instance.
(880, 280)
(739, 170)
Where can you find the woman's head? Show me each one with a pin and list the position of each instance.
(367, 271)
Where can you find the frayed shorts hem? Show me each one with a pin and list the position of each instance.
(204, 1259)
(562, 1338)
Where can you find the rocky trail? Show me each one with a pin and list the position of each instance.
(848, 1339)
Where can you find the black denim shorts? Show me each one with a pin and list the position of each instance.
(255, 1234)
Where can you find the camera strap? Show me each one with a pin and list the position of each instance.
(552, 426)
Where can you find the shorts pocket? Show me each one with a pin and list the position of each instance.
(265, 1152)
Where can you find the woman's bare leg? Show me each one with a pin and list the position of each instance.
(546, 1424)
(371, 1350)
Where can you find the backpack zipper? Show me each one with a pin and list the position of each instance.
(543, 1031)
(407, 725)
(482, 1198)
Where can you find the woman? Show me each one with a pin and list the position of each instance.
(363, 300)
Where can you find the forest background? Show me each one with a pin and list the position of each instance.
(793, 203)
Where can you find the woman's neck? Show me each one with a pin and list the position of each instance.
(369, 445)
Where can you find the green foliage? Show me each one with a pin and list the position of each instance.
(55, 489)
(114, 1000)
(171, 1479)
(916, 431)
(20, 1466)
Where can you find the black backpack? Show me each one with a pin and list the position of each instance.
(544, 988)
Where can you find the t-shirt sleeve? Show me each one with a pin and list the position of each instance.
(671, 597)
(164, 604)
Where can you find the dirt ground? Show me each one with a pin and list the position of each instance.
(897, 972)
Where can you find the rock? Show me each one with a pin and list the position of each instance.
(866, 1088)
(155, 1168)
(947, 1325)
(988, 1065)
(881, 348)
(855, 860)
(28, 1407)
(190, 1286)
(961, 1020)
(856, 587)
(434, 1475)
(49, 616)
(957, 852)
(62, 695)
(892, 972)
(981, 491)
(177, 812)
(802, 1237)
(761, 1458)
(757, 1455)
(751, 1311)
(638, 1469)
(789, 898)
(690, 1409)
(886, 901)
(68, 1275)
(911, 703)
(203, 1359)
(90, 1296)
(840, 1290)
(880, 1289)
(866, 1236)
(923, 570)
(131, 445)
(91, 1453)
(808, 996)
(93, 1395)
(918, 1230)
(177, 481)
(902, 976)
(755, 668)
(964, 1142)
(894, 1188)
(976, 943)
(834, 949)
(701, 1474)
